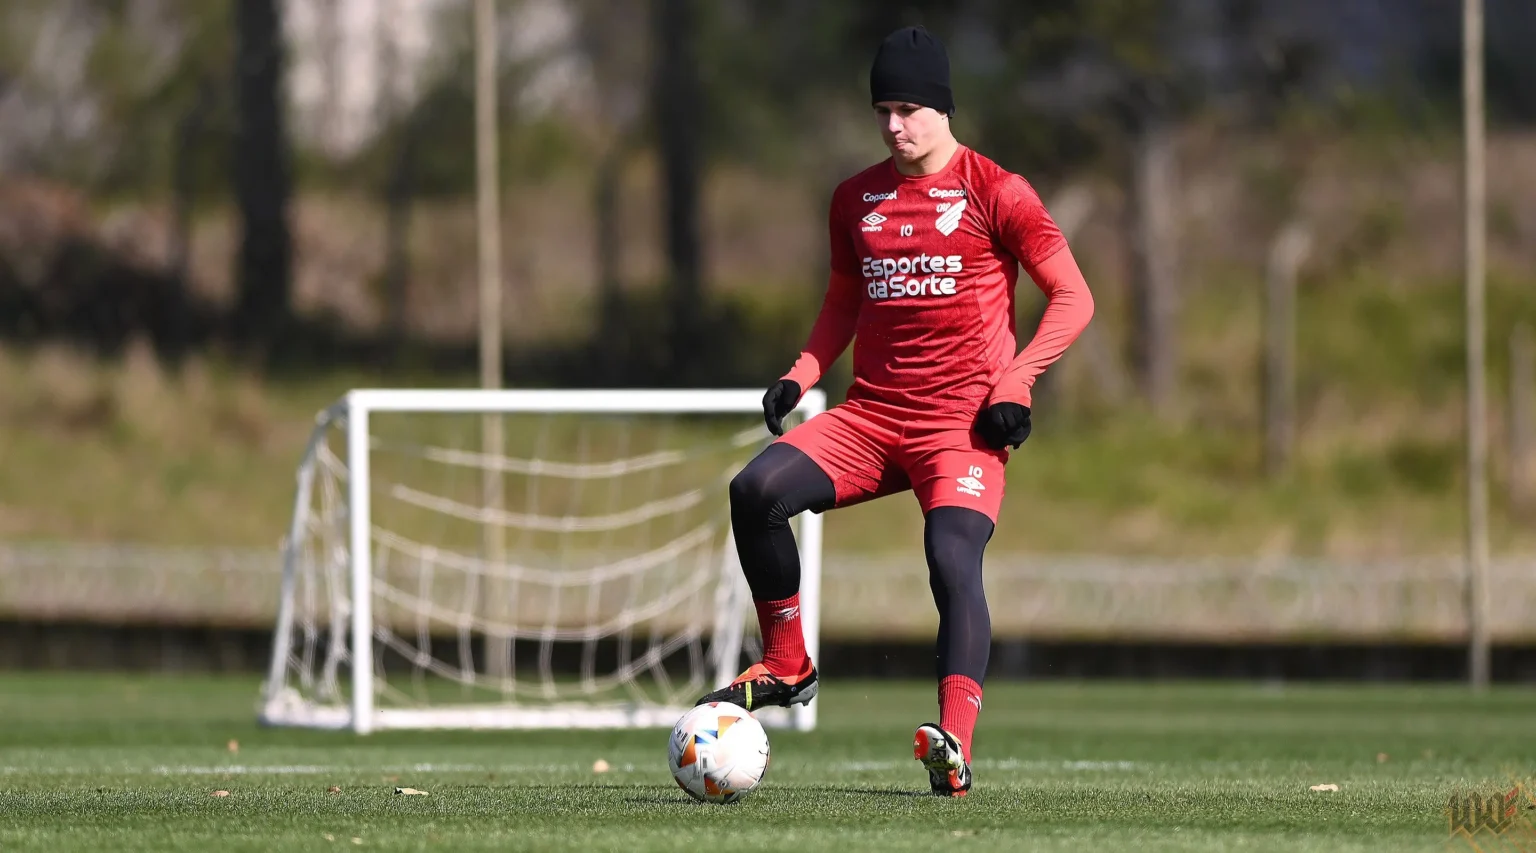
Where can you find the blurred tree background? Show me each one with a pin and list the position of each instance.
(259, 203)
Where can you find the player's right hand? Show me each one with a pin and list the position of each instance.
(1004, 424)
(780, 400)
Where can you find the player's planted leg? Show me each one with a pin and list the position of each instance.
(954, 539)
(776, 486)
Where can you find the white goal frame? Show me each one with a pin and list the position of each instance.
(362, 717)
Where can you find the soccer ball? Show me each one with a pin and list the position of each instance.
(718, 752)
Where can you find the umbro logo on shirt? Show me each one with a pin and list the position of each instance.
(872, 221)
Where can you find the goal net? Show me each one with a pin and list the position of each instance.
(520, 559)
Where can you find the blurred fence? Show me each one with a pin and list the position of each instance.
(879, 597)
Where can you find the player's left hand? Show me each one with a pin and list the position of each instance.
(1004, 425)
(780, 400)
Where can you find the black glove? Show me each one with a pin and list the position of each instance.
(1004, 424)
(778, 402)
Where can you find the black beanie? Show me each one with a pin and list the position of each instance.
(912, 66)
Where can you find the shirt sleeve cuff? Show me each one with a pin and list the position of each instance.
(1012, 393)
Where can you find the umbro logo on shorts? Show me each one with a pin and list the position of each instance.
(971, 484)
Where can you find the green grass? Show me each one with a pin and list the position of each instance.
(130, 763)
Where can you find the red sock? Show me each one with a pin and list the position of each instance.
(959, 704)
(783, 641)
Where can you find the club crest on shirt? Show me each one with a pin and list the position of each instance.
(949, 220)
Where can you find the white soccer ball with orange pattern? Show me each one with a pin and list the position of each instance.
(718, 752)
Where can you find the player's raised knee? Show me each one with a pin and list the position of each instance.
(750, 491)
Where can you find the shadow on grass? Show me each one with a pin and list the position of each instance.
(679, 799)
(875, 792)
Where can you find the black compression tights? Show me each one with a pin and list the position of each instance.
(953, 540)
(778, 485)
(782, 482)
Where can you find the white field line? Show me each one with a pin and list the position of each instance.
(324, 769)
(1003, 764)
(293, 769)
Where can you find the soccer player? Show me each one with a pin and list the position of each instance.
(926, 248)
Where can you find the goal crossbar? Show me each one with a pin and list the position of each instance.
(617, 401)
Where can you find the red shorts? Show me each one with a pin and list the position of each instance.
(868, 454)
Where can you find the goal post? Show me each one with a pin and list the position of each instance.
(616, 600)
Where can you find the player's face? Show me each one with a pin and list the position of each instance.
(910, 131)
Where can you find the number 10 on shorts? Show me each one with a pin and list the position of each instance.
(971, 483)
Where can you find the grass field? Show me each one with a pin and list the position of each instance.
(131, 763)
